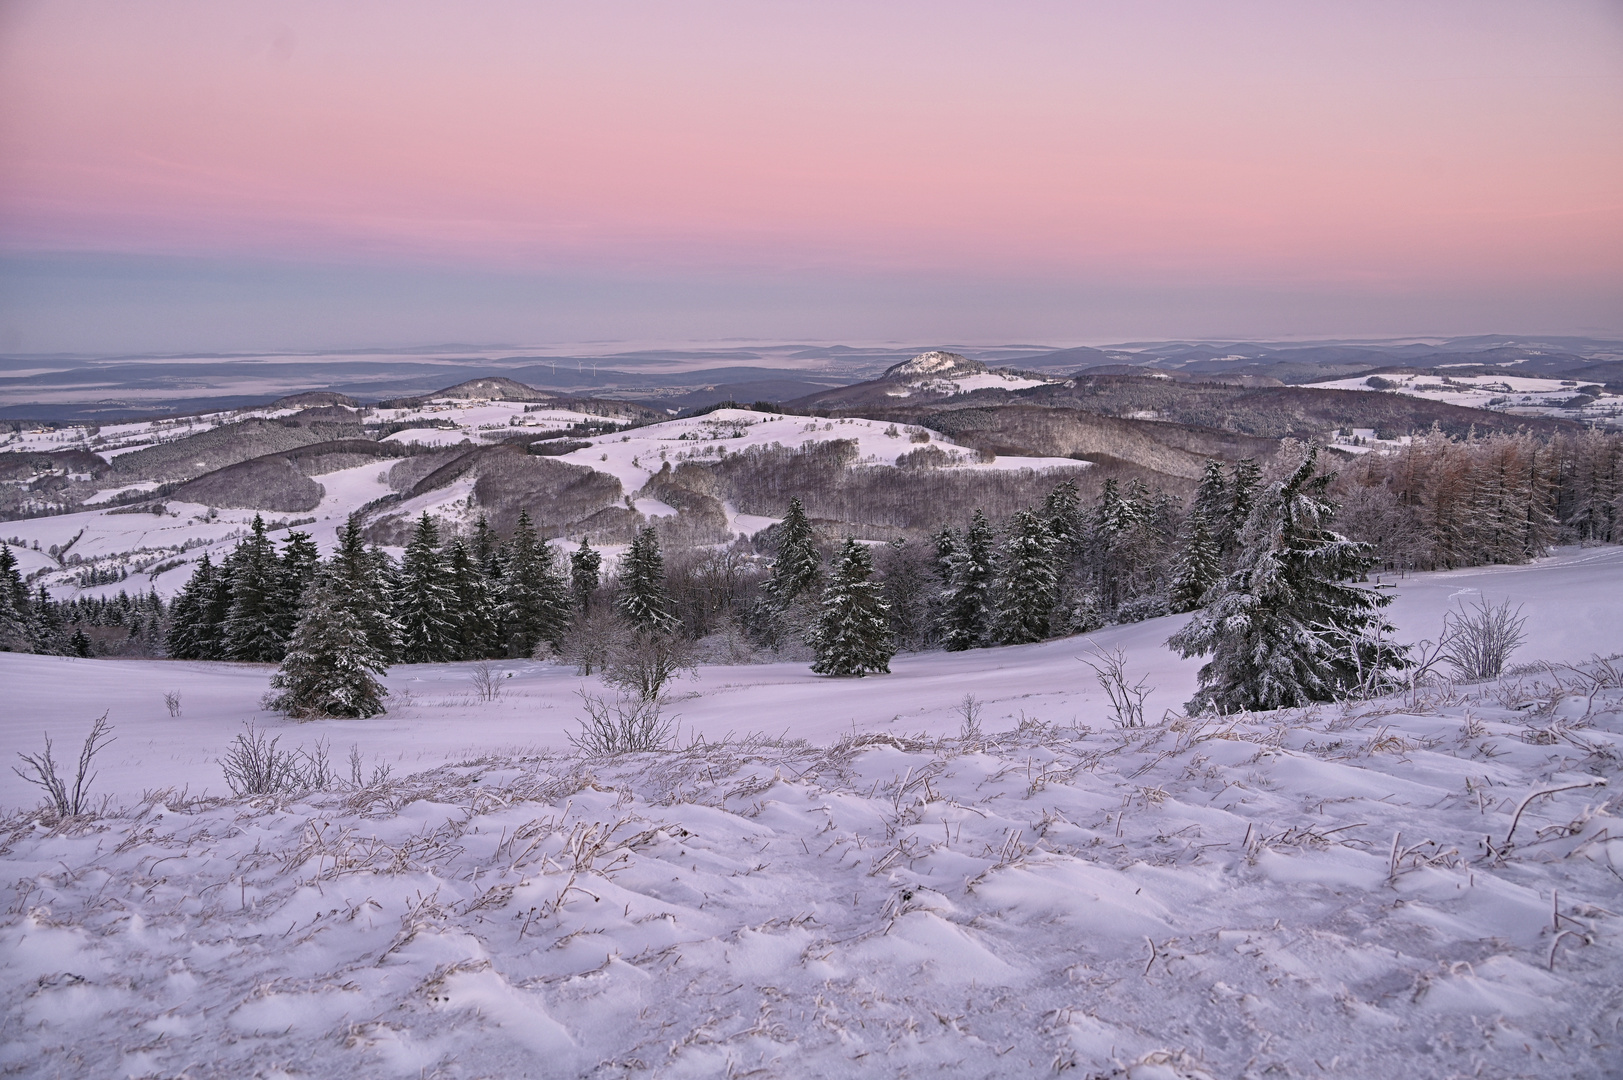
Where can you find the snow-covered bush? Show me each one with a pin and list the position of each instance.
(254, 765)
(1481, 638)
(627, 725)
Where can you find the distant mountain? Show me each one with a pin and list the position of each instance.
(934, 364)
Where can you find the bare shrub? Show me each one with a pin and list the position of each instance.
(380, 773)
(627, 725)
(969, 710)
(254, 765)
(643, 661)
(487, 681)
(1126, 699)
(1482, 637)
(171, 702)
(66, 801)
(589, 639)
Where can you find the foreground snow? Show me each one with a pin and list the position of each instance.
(1344, 890)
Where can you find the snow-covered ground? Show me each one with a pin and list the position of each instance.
(634, 456)
(851, 884)
(1499, 393)
(964, 384)
(177, 538)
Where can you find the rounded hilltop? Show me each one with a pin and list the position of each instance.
(935, 364)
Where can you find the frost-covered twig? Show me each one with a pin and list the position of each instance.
(1593, 781)
(67, 802)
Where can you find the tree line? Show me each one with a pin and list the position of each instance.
(1057, 567)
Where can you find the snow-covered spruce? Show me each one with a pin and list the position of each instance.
(852, 635)
(1286, 628)
(331, 668)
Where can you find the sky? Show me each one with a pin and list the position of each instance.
(218, 175)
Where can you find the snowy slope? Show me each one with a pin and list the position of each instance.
(1345, 891)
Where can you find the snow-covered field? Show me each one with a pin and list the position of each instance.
(1500, 393)
(835, 878)
(159, 550)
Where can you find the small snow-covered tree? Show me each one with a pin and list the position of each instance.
(423, 599)
(798, 569)
(643, 599)
(585, 575)
(13, 604)
(966, 610)
(1285, 628)
(1246, 478)
(360, 580)
(250, 624)
(535, 604)
(188, 637)
(331, 667)
(1027, 582)
(473, 607)
(852, 634)
(295, 570)
(1199, 565)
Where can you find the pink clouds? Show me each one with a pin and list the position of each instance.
(1192, 142)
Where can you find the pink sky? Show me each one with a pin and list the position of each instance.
(1365, 150)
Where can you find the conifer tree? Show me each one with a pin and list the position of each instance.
(1199, 566)
(585, 575)
(250, 624)
(299, 563)
(13, 604)
(48, 636)
(535, 604)
(473, 606)
(643, 599)
(188, 630)
(423, 599)
(216, 609)
(1028, 585)
(359, 579)
(966, 613)
(79, 644)
(1284, 629)
(1242, 491)
(798, 569)
(331, 667)
(1199, 563)
(852, 634)
(1062, 514)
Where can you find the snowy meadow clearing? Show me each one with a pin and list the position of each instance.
(841, 877)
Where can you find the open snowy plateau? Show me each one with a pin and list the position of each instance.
(839, 877)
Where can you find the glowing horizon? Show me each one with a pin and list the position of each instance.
(1465, 152)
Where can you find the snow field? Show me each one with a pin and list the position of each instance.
(636, 455)
(835, 878)
(1257, 896)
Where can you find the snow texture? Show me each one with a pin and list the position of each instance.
(870, 888)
